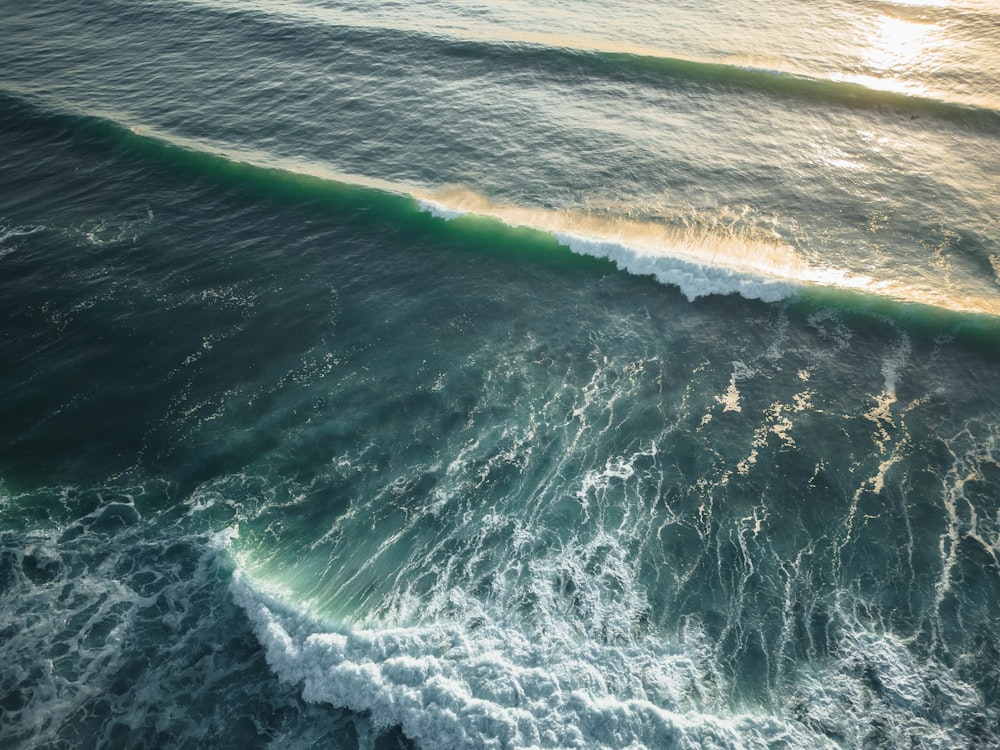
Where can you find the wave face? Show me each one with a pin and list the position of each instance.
(492, 376)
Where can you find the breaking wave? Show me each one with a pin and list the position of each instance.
(699, 262)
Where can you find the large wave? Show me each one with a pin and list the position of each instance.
(698, 261)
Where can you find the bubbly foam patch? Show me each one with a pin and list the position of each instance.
(10, 234)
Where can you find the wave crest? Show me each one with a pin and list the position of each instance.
(697, 261)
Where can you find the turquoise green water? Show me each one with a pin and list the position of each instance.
(499, 376)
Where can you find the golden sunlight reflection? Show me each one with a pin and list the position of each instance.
(893, 49)
(895, 43)
(927, 3)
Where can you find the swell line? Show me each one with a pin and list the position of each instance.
(567, 57)
(698, 262)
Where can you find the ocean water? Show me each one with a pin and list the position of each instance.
(500, 375)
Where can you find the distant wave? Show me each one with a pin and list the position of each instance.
(697, 262)
(789, 84)
(968, 11)
(557, 57)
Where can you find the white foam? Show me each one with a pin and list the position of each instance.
(730, 400)
(693, 279)
(877, 683)
(495, 686)
(439, 210)
(8, 236)
(578, 673)
(7, 233)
